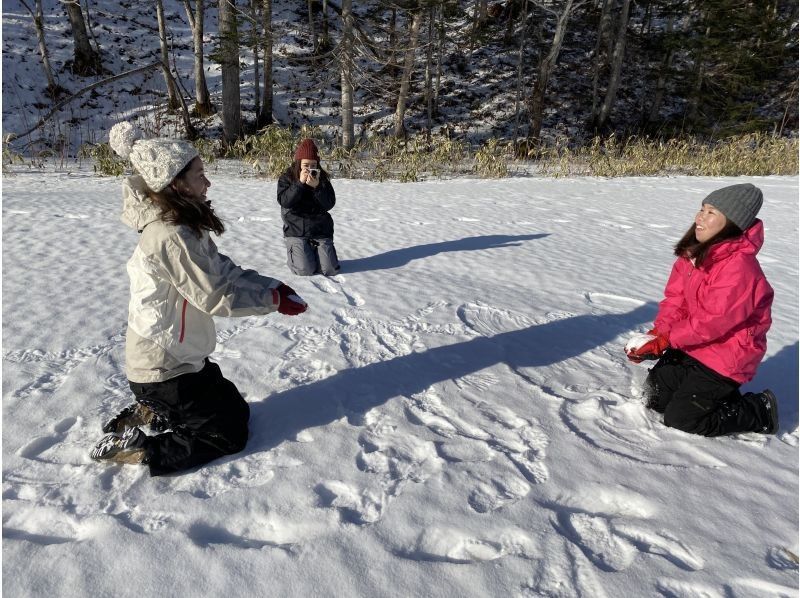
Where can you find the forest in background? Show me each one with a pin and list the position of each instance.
(546, 80)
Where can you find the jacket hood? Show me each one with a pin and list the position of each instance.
(138, 210)
(750, 241)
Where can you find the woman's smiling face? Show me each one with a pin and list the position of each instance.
(708, 222)
(194, 181)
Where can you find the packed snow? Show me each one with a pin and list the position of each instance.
(454, 415)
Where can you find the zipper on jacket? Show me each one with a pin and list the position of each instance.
(183, 320)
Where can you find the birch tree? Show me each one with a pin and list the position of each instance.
(202, 101)
(172, 92)
(264, 116)
(229, 64)
(546, 67)
(616, 65)
(346, 71)
(408, 68)
(38, 26)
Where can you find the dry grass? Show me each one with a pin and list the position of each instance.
(269, 152)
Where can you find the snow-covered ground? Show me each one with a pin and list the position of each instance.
(453, 417)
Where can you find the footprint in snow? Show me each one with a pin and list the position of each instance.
(597, 519)
(40, 525)
(335, 284)
(498, 431)
(36, 448)
(565, 572)
(220, 477)
(441, 544)
(626, 428)
(674, 588)
(356, 506)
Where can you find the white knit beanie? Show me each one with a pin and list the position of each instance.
(157, 160)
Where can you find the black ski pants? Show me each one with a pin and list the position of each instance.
(207, 416)
(696, 399)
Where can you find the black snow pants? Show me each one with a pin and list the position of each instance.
(698, 400)
(207, 416)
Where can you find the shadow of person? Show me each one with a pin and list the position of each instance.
(779, 374)
(355, 391)
(400, 257)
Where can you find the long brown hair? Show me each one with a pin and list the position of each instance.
(691, 248)
(179, 207)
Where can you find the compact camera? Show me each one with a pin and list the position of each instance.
(314, 172)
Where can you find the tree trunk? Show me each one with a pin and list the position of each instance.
(661, 83)
(254, 20)
(429, 69)
(520, 58)
(325, 42)
(202, 105)
(229, 63)
(546, 67)
(346, 68)
(86, 60)
(392, 39)
(88, 21)
(439, 52)
(699, 76)
(264, 117)
(312, 27)
(405, 82)
(601, 53)
(616, 65)
(172, 93)
(38, 25)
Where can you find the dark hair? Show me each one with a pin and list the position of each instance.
(294, 171)
(690, 247)
(179, 207)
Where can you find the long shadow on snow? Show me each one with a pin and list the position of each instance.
(779, 373)
(355, 391)
(400, 257)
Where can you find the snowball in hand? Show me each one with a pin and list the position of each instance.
(638, 340)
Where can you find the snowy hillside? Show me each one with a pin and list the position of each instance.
(453, 417)
(478, 82)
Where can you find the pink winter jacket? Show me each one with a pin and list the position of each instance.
(719, 313)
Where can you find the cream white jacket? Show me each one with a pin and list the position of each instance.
(178, 282)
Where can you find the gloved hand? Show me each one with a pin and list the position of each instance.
(289, 302)
(646, 346)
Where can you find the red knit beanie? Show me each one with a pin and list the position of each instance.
(306, 151)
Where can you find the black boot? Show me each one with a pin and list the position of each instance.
(771, 406)
(134, 415)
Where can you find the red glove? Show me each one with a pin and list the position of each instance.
(651, 349)
(289, 302)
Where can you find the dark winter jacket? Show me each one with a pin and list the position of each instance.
(304, 209)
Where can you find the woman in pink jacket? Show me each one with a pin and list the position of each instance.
(710, 333)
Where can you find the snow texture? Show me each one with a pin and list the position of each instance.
(455, 415)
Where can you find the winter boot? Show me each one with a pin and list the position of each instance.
(121, 448)
(771, 406)
(134, 415)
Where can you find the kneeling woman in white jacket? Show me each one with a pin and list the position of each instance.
(178, 282)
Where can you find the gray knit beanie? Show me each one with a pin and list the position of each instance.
(739, 203)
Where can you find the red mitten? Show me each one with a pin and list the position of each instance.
(646, 346)
(289, 302)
